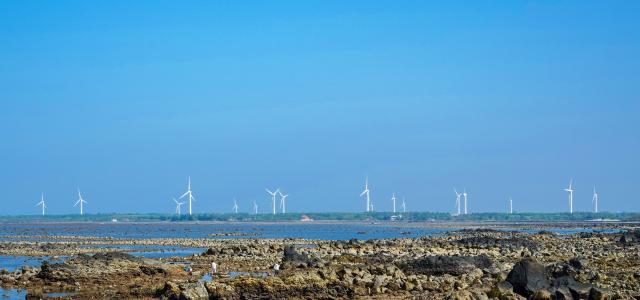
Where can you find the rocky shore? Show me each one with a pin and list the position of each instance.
(467, 264)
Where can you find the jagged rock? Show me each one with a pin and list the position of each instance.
(563, 293)
(193, 291)
(527, 277)
(504, 287)
(541, 295)
(292, 257)
(598, 294)
(171, 291)
(440, 264)
(219, 290)
(488, 242)
(578, 263)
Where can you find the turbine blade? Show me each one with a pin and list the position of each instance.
(186, 193)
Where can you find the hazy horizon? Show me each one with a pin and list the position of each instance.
(506, 99)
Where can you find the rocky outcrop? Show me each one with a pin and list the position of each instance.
(489, 242)
(440, 265)
(532, 279)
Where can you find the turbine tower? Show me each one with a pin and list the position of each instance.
(393, 199)
(570, 191)
(255, 208)
(283, 201)
(510, 205)
(235, 206)
(178, 206)
(273, 199)
(366, 192)
(81, 202)
(404, 206)
(595, 200)
(465, 195)
(188, 192)
(457, 201)
(41, 203)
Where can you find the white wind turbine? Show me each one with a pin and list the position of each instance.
(465, 195)
(596, 197)
(41, 203)
(255, 208)
(81, 202)
(188, 192)
(404, 206)
(366, 192)
(570, 191)
(178, 206)
(235, 206)
(283, 202)
(273, 198)
(393, 199)
(510, 205)
(457, 201)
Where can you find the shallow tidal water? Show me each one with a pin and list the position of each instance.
(316, 231)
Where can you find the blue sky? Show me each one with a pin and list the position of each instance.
(506, 98)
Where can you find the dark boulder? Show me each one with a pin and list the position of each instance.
(440, 265)
(292, 257)
(528, 276)
(630, 237)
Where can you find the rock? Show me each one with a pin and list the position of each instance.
(292, 256)
(193, 291)
(461, 295)
(541, 295)
(579, 290)
(598, 294)
(563, 293)
(578, 263)
(504, 287)
(490, 242)
(171, 290)
(379, 283)
(527, 277)
(440, 264)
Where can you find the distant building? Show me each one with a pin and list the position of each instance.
(305, 218)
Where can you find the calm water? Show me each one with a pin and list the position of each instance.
(319, 231)
(219, 230)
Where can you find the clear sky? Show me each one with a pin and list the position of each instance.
(125, 99)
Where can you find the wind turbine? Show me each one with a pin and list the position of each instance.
(464, 194)
(41, 203)
(510, 205)
(404, 206)
(80, 201)
(595, 200)
(393, 199)
(283, 201)
(255, 208)
(178, 206)
(457, 200)
(235, 206)
(366, 192)
(570, 191)
(188, 192)
(273, 198)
